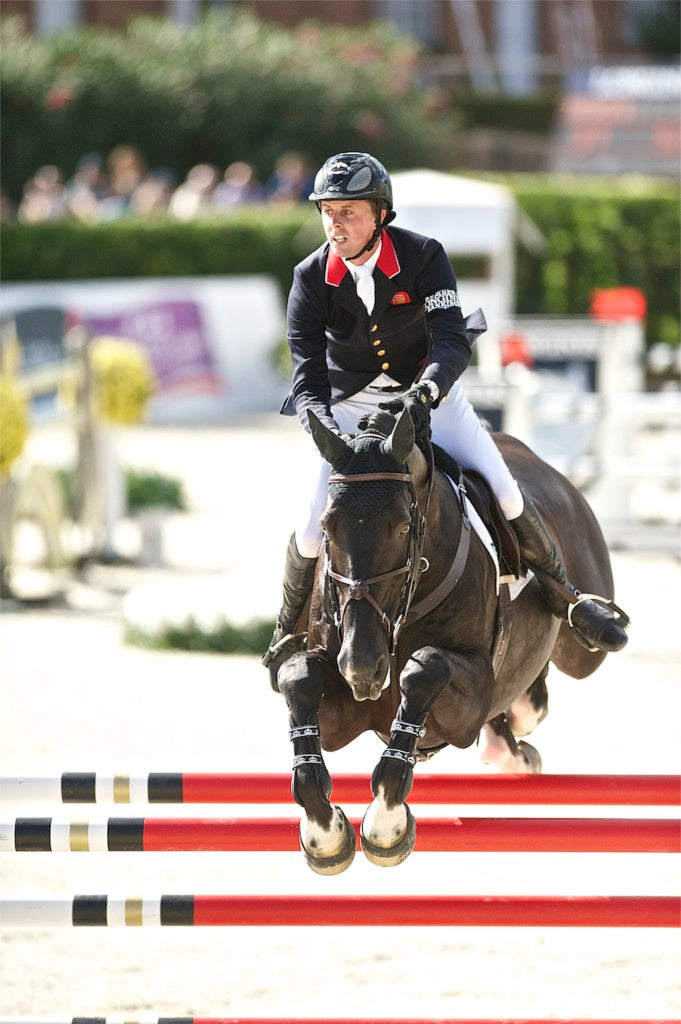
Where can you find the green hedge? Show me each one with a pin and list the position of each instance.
(143, 489)
(249, 242)
(533, 114)
(599, 234)
(227, 638)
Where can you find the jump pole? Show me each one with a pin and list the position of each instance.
(351, 911)
(326, 1020)
(255, 788)
(443, 835)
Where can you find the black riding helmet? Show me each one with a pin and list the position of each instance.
(355, 176)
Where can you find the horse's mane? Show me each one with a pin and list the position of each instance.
(367, 498)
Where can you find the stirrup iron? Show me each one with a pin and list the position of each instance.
(621, 617)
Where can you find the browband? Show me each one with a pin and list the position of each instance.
(339, 478)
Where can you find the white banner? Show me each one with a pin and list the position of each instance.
(210, 339)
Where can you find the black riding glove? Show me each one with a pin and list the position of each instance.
(418, 400)
(342, 434)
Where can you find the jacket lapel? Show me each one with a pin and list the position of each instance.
(340, 278)
(387, 269)
(385, 275)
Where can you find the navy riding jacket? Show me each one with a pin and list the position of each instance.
(415, 330)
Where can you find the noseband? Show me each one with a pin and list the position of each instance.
(416, 564)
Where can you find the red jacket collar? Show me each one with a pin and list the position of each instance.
(388, 262)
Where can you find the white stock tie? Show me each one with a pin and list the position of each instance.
(365, 287)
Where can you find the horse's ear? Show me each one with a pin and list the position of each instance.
(331, 445)
(400, 443)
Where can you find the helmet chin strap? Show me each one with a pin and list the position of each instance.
(375, 237)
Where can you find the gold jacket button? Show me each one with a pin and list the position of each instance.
(381, 352)
(377, 342)
(385, 366)
(374, 328)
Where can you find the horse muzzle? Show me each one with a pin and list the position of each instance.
(366, 679)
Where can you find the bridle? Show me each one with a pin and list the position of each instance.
(415, 565)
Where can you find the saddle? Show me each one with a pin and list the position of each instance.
(484, 501)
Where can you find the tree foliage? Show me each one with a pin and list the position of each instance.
(228, 88)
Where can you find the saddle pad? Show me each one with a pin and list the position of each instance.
(515, 585)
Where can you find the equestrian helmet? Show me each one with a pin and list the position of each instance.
(353, 176)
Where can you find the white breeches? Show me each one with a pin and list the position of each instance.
(455, 427)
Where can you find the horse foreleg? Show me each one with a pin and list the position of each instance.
(327, 838)
(388, 831)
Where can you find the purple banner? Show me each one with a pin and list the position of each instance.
(173, 335)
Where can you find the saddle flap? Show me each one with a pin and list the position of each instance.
(484, 501)
(488, 508)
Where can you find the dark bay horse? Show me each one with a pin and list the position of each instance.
(402, 628)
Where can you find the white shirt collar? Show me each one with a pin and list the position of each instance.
(365, 268)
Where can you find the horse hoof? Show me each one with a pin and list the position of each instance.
(336, 862)
(390, 856)
(531, 757)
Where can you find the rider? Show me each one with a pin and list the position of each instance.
(374, 316)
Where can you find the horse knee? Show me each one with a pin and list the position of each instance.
(427, 667)
(301, 681)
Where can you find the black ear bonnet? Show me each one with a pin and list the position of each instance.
(366, 498)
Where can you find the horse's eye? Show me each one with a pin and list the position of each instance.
(405, 528)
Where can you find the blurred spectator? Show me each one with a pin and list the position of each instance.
(127, 168)
(153, 193)
(239, 185)
(86, 189)
(104, 190)
(43, 197)
(195, 193)
(292, 181)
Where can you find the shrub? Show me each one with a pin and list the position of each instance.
(123, 379)
(228, 88)
(600, 234)
(14, 424)
(254, 241)
(148, 489)
(143, 489)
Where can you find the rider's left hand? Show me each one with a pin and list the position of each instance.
(418, 400)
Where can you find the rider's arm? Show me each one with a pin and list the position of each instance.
(307, 341)
(449, 350)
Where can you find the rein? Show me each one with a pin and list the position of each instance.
(416, 564)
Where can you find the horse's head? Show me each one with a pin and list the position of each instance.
(373, 529)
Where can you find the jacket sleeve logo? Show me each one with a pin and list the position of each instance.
(445, 299)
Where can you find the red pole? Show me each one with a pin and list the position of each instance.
(409, 1020)
(438, 911)
(445, 835)
(617, 790)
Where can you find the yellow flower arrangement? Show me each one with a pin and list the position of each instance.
(123, 379)
(13, 423)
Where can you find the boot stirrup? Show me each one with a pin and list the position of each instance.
(605, 602)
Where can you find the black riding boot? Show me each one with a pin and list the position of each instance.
(298, 580)
(595, 625)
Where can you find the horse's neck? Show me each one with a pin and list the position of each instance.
(428, 490)
(443, 516)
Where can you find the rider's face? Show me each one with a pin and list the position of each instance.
(348, 225)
